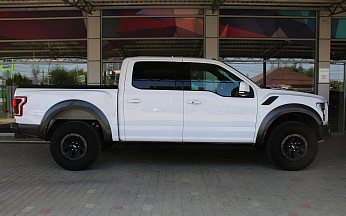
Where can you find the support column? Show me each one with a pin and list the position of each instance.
(211, 34)
(323, 76)
(94, 48)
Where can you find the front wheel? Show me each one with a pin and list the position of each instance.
(292, 146)
(75, 145)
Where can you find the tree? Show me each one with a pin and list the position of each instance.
(35, 72)
(337, 85)
(60, 76)
(307, 72)
(310, 72)
(18, 79)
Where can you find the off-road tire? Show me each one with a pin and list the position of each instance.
(75, 145)
(292, 146)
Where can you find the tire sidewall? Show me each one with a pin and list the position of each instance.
(85, 131)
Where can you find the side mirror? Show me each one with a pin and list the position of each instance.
(244, 89)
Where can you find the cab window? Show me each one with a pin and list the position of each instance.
(155, 75)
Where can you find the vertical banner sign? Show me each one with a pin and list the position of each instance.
(81, 80)
(7, 64)
(324, 76)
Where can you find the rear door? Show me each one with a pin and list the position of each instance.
(153, 102)
(213, 109)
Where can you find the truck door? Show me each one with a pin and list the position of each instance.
(153, 102)
(213, 109)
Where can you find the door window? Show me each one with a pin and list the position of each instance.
(155, 75)
(208, 77)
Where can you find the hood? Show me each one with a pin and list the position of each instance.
(278, 91)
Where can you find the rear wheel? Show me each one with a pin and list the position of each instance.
(75, 145)
(292, 146)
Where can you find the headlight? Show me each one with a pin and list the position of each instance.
(322, 107)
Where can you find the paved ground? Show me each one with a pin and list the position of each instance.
(171, 181)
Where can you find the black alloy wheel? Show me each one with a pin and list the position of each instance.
(73, 146)
(294, 147)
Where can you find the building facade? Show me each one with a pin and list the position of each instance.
(65, 45)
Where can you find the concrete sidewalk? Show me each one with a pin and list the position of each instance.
(138, 180)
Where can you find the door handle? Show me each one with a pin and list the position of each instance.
(194, 102)
(134, 100)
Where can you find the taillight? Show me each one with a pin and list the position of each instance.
(18, 103)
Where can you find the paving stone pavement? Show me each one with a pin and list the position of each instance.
(204, 180)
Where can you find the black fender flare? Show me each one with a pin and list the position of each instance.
(279, 111)
(75, 105)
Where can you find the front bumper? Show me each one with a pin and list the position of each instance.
(325, 132)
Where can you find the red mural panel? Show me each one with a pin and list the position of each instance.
(152, 27)
(43, 29)
(42, 14)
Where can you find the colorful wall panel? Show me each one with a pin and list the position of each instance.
(267, 28)
(150, 12)
(252, 12)
(42, 14)
(338, 29)
(43, 29)
(152, 27)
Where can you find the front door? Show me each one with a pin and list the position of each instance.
(213, 110)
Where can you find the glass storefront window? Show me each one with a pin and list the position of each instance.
(249, 69)
(54, 73)
(337, 50)
(110, 73)
(119, 49)
(295, 76)
(291, 76)
(337, 97)
(41, 48)
(268, 49)
(44, 50)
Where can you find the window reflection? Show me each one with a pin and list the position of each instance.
(207, 77)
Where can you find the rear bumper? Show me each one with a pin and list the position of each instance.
(325, 132)
(23, 130)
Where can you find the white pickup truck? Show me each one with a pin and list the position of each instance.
(161, 99)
